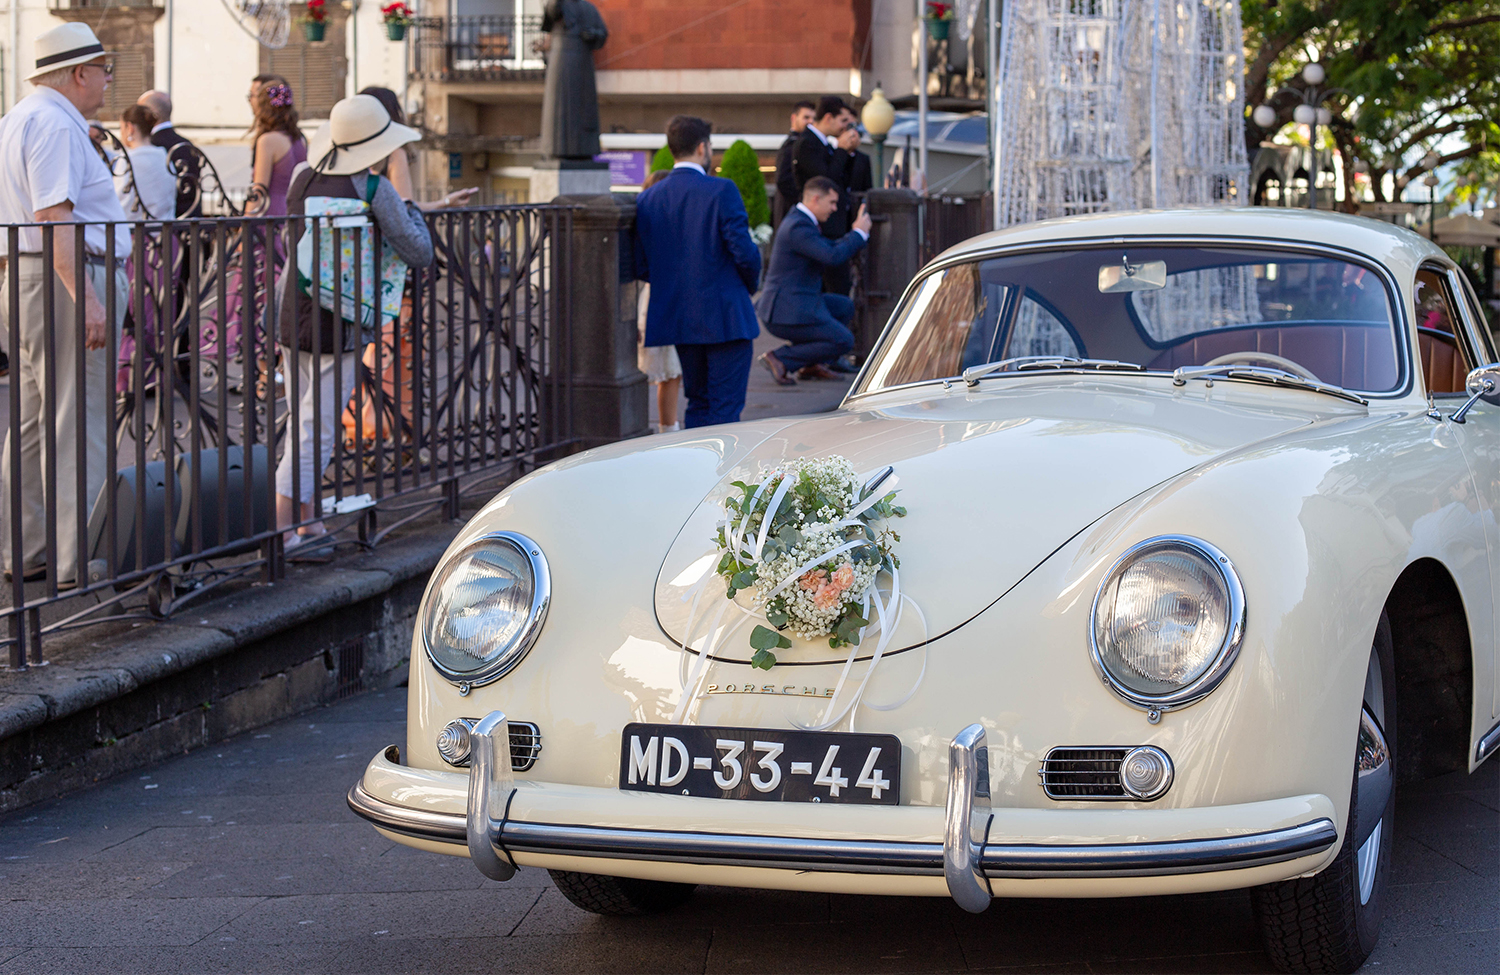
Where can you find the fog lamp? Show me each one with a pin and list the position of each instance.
(453, 742)
(1146, 772)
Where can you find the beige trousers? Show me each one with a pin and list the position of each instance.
(28, 368)
(333, 378)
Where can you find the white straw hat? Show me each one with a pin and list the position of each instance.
(358, 134)
(64, 46)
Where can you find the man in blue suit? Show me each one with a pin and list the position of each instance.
(792, 302)
(693, 244)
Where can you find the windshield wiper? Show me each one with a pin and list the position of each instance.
(973, 374)
(1263, 374)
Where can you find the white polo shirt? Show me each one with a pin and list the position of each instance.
(46, 158)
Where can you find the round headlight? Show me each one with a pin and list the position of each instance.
(1167, 622)
(485, 609)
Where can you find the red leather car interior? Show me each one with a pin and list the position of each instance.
(1352, 356)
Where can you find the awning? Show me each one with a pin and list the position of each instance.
(1466, 230)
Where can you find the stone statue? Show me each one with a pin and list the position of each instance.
(570, 103)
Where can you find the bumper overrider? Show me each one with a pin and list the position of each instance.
(966, 858)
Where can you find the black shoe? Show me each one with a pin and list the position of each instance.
(31, 575)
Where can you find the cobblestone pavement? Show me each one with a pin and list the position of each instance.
(243, 857)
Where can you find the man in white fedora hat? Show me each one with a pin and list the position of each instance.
(51, 172)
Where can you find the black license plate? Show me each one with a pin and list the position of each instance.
(757, 763)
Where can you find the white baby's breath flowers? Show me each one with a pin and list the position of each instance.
(818, 564)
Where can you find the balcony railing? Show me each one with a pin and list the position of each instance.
(100, 4)
(477, 49)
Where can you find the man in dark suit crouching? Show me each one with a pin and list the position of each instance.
(693, 245)
(792, 303)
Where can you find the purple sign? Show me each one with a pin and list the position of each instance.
(627, 167)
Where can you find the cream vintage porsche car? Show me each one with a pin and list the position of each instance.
(1199, 559)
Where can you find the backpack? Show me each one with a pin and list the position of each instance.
(380, 295)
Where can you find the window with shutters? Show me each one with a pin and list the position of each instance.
(131, 78)
(314, 69)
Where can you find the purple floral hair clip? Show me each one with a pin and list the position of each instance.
(279, 95)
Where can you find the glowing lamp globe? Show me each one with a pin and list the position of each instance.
(878, 115)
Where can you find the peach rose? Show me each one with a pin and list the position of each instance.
(827, 597)
(844, 577)
(812, 579)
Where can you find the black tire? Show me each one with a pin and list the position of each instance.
(620, 896)
(1317, 924)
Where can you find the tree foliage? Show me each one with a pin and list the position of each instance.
(662, 160)
(1419, 76)
(742, 165)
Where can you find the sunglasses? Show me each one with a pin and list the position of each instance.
(108, 67)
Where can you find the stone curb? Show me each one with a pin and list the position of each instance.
(197, 634)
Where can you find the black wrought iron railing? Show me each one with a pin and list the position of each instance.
(139, 476)
(477, 48)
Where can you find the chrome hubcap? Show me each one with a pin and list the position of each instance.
(1372, 762)
(1368, 859)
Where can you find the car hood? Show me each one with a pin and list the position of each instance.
(994, 481)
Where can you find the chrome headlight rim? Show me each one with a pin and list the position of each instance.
(541, 599)
(1234, 635)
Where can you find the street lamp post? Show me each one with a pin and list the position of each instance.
(1310, 113)
(1429, 163)
(1431, 182)
(878, 116)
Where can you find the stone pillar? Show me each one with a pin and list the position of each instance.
(608, 392)
(893, 258)
(551, 178)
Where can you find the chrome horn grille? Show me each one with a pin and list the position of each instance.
(1083, 772)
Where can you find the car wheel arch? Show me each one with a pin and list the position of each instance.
(1434, 670)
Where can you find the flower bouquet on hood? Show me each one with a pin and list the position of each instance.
(809, 540)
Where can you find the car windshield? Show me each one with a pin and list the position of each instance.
(1157, 307)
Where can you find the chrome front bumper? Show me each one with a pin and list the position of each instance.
(965, 858)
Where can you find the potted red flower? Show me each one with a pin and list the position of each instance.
(397, 17)
(939, 17)
(315, 21)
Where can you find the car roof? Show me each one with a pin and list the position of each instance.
(1399, 249)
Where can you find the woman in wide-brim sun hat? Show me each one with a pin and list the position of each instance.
(359, 134)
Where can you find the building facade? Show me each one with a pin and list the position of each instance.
(471, 78)
(205, 52)
(741, 64)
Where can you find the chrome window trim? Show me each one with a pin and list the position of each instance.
(1474, 309)
(1402, 323)
(541, 600)
(1228, 651)
(1162, 858)
(1468, 328)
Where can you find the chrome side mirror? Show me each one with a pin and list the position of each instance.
(1480, 382)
